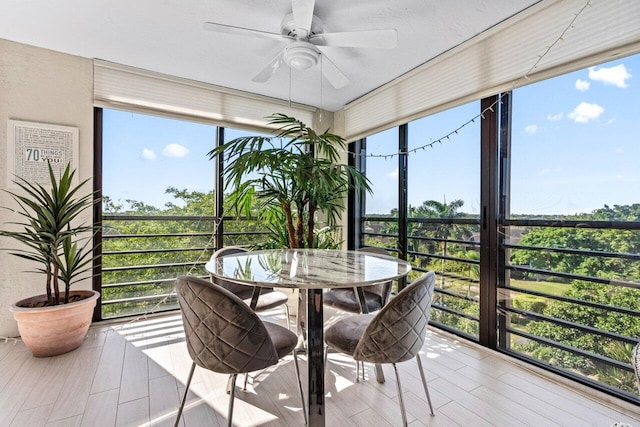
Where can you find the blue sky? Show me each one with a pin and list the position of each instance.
(144, 155)
(575, 147)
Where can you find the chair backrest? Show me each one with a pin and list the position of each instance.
(223, 334)
(383, 290)
(398, 331)
(230, 286)
(635, 361)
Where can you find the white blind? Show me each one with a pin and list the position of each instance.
(498, 59)
(122, 87)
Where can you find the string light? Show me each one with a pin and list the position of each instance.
(490, 107)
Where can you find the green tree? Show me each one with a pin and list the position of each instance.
(622, 271)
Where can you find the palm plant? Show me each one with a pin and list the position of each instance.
(47, 231)
(295, 172)
(443, 231)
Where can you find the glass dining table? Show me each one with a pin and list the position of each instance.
(310, 271)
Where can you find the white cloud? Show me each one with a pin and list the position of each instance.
(175, 150)
(620, 150)
(582, 84)
(619, 176)
(148, 154)
(550, 171)
(531, 129)
(616, 76)
(554, 117)
(393, 174)
(585, 112)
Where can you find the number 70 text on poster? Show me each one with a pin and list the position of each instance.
(33, 145)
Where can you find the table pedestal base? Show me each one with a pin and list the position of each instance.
(315, 354)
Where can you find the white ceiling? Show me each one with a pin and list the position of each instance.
(167, 36)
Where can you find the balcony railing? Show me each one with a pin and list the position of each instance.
(455, 261)
(142, 256)
(572, 308)
(570, 303)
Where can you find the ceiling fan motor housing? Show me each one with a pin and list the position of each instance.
(301, 55)
(288, 27)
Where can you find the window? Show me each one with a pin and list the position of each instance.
(158, 207)
(573, 237)
(567, 251)
(444, 206)
(238, 229)
(381, 206)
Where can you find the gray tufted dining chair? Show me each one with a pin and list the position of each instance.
(224, 335)
(346, 299)
(393, 335)
(269, 297)
(376, 296)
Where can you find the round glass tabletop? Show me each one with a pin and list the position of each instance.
(308, 268)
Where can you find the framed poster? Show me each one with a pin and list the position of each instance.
(32, 145)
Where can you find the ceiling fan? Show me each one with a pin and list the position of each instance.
(302, 31)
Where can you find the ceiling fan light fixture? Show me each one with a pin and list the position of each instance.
(301, 55)
(303, 32)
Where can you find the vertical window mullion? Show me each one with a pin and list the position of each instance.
(489, 181)
(97, 209)
(403, 203)
(219, 192)
(504, 209)
(356, 199)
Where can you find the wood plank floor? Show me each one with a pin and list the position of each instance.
(133, 374)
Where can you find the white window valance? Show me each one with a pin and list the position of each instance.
(498, 59)
(133, 89)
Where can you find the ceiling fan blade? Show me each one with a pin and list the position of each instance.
(385, 39)
(332, 72)
(240, 31)
(268, 71)
(303, 14)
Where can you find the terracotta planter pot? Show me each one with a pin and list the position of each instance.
(49, 331)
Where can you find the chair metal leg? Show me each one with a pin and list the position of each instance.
(326, 357)
(286, 313)
(304, 407)
(424, 383)
(229, 384)
(400, 398)
(301, 319)
(231, 398)
(186, 391)
(362, 371)
(246, 376)
(357, 371)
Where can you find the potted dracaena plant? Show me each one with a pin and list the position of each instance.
(55, 322)
(288, 179)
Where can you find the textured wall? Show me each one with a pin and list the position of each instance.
(39, 85)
